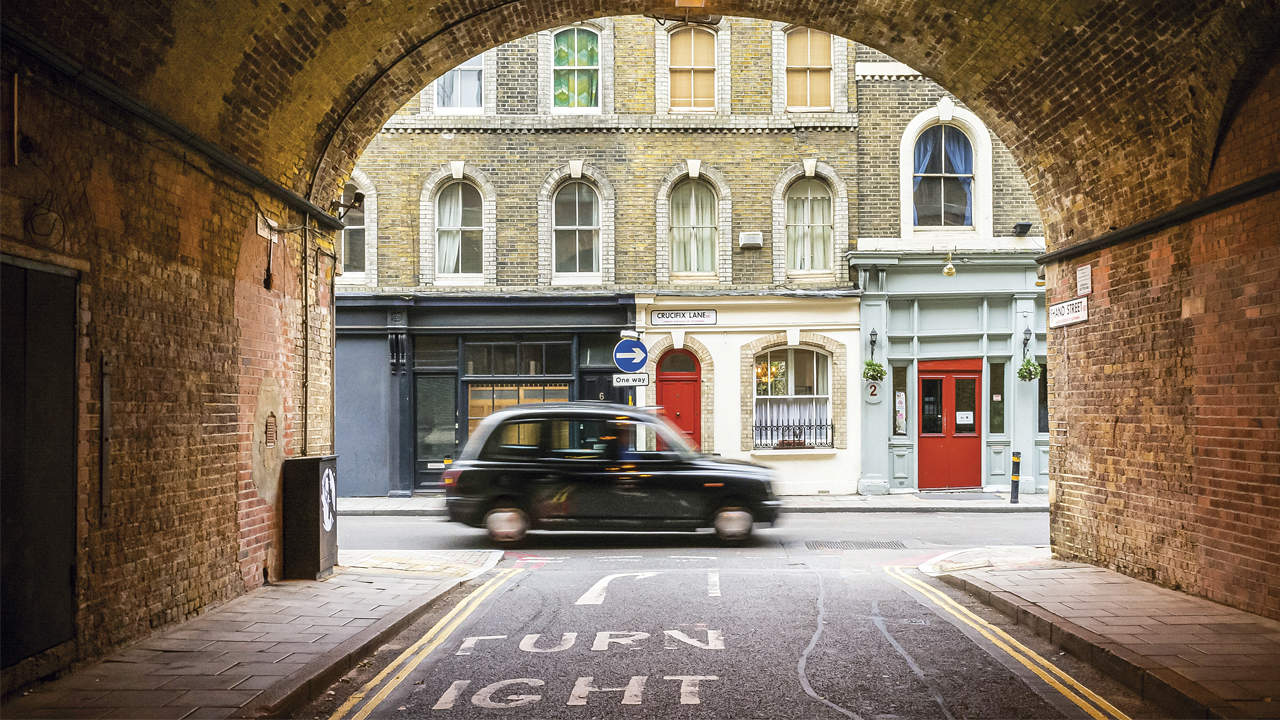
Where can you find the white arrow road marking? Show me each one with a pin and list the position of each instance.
(713, 583)
(595, 595)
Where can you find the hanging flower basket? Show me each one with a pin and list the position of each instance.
(873, 370)
(1029, 370)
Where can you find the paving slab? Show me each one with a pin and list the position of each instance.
(1192, 656)
(305, 634)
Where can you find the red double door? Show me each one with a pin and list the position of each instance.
(950, 443)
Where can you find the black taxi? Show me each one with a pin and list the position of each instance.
(599, 466)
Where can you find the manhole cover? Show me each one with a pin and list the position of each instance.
(855, 545)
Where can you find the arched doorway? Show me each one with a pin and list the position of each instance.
(680, 392)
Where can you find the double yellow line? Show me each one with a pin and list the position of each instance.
(1028, 658)
(413, 656)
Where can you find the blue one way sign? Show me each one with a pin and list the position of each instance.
(630, 355)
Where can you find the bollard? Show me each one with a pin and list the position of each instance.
(1013, 486)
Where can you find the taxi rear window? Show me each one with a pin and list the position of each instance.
(514, 440)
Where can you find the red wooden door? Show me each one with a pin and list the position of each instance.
(950, 442)
(680, 392)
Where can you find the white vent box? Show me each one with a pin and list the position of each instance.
(751, 239)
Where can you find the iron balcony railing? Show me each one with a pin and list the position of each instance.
(780, 436)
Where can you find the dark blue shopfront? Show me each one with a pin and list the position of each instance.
(415, 375)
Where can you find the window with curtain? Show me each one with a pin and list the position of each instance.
(575, 82)
(463, 86)
(808, 69)
(792, 399)
(352, 232)
(943, 178)
(809, 225)
(459, 235)
(693, 227)
(692, 64)
(577, 229)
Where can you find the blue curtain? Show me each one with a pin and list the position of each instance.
(960, 161)
(924, 153)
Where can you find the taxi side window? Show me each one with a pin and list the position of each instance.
(516, 440)
(640, 441)
(581, 439)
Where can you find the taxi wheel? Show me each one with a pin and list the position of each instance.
(506, 525)
(733, 523)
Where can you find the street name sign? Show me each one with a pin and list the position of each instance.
(630, 355)
(682, 317)
(1069, 312)
(630, 380)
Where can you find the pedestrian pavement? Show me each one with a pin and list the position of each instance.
(1191, 656)
(432, 505)
(265, 652)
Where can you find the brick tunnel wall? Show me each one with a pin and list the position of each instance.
(171, 267)
(1166, 402)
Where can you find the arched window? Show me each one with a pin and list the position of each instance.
(577, 229)
(693, 227)
(575, 81)
(942, 180)
(809, 225)
(459, 238)
(352, 232)
(692, 64)
(462, 88)
(808, 70)
(793, 399)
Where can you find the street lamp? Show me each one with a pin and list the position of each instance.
(1026, 340)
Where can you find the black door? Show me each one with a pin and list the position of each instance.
(599, 386)
(37, 461)
(435, 428)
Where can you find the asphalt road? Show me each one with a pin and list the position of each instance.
(822, 617)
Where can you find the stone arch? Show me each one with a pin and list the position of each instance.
(834, 349)
(707, 391)
(839, 217)
(457, 170)
(576, 170)
(724, 240)
(946, 112)
(362, 181)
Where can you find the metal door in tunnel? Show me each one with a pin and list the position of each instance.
(37, 459)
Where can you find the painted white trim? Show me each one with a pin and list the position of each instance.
(370, 275)
(724, 240)
(605, 193)
(980, 139)
(431, 187)
(662, 69)
(839, 271)
(839, 73)
(489, 91)
(965, 240)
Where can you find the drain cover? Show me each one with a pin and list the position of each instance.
(855, 545)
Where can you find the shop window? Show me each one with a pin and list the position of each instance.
(459, 231)
(808, 70)
(435, 351)
(484, 399)
(462, 88)
(942, 179)
(692, 67)
(575, 81)
(996, 401)
(900, 400)
(577, 230)
(694, 226)
(792, 399)
(596, 350)
(353, 244)
(1043, 424)
(809, 226)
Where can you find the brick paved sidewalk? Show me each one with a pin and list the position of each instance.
(266, 650)
(1193, 657)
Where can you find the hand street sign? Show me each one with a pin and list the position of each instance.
(630, 355)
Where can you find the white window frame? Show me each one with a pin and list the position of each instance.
(662, 68)
(831, 73)
(427, 231)
(488, 74)
(575, 171)
(370, 274)
(840, 53)
(810, 271)
(591, 277)
(603, 28)
(945, 112)
(812, 168)
(723, 270)
(790, 354)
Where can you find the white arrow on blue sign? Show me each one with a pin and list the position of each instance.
(630, 355)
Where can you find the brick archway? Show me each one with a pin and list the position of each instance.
(707, 404)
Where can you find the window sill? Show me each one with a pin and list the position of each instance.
(575, 111)
(691, 111)
(793, 452)
(576, 279)
(694, 278)
(826, 109)
(352, 278)
(811, 275)
(460, 280)
(455, 111)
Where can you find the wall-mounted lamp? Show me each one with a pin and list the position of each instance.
(1039, 276)
(1021, 229)
(357, 202)
(949, 270)
(1026, 340)
(873, 343)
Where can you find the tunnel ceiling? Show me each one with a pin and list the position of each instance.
(1111, 108)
